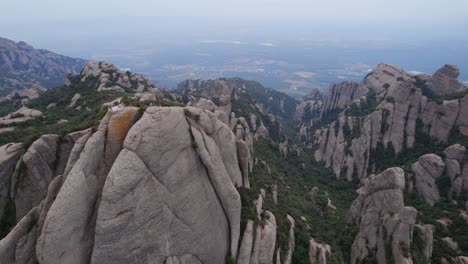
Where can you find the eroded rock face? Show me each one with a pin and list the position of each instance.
(220, 90)
(401, 111)
(426, 170)
(265, 239)
(426, 235)
(245, 250)
(9, 156)
(384, 221)
(117, 183)
(31, 182)
(318, 252)
(111, 78)
(340, 96)
(444, 81)
(454, 156)
(30, 93)
(291, 241)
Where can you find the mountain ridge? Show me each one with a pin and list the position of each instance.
(255, 158)
(22, 66)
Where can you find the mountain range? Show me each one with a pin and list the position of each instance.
(22, 66)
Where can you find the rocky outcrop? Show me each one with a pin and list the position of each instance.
(111, 78)
(385, 224)
(291, 241)
(430, 167)
(37, 170)
(265, 239)
(392, 116)
(26, 94)
(438, 119)
(426, 170)
(244, 141)
(9, 156)
(427, 237)
(318, 252)
(454, 158)
(308, 115)
(220, 90)
(21, 115)
(245, 249)
(444, 81)
(126, 194)
(340, 96)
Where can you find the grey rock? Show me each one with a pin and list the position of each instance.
(245, 249)
(267, 240)
(383, 219)
(9, 155)
(291, 241)
(455, 152)
(20, 233)
(444, 81)
(68, 235)
(440, 118)
(461, 260)
(339, 96)
(452, 244)
(426, 235)
(274, 192)
(243, 154)
(426, 170)
(159, 158)
(37, 170)
(318, 252)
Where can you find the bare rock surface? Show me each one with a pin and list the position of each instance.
(426, 170)
(318, 252)
(444, 81)
(9, 156)
(383, 219)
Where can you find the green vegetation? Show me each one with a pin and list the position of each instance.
(295, 177)
(230, 260)
(365, 107)
(8, 219)
(426, 91)
(9, 106)
(429, 214)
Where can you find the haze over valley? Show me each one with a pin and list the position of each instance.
(291, 55)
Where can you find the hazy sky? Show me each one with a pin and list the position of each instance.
(397, 10)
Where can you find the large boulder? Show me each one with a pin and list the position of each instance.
(426, 170)
(161, 150)
(37, 170)
(385, 223)
(265, 239)
(444, 80)
(318, 252)
(9, 156)
(149, 191)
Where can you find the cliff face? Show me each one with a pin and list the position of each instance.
(385, 223)
(393, 115)
(170, 173)
(22, 66)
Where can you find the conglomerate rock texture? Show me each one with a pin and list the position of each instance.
(149, 187)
